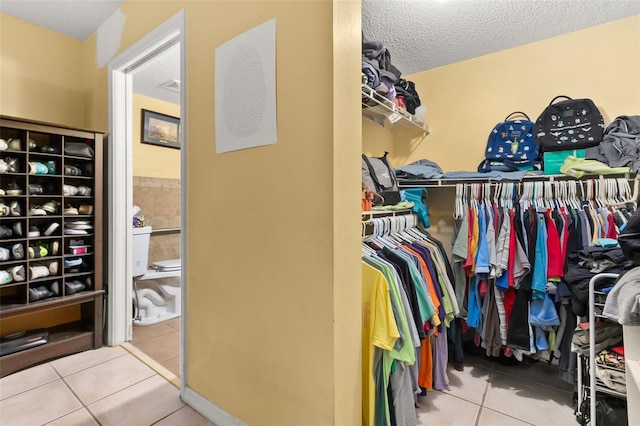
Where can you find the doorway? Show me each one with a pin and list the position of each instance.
(123, 119)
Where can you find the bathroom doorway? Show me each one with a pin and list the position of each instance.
(146, 164)
(156, 194)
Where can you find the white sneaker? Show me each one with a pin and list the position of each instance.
(51, 228)
(39, 271)
(14, 144)
(68, 190)
(53, 267)
(5, 277)
(4, 254)
(37, 211)
(3, 145)
(17, 272)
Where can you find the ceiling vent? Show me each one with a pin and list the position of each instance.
(173, 85)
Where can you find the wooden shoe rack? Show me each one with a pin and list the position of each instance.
(68, 302)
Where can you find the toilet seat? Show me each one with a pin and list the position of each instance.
(170, 265)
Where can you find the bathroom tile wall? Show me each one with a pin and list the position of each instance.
(159, 201)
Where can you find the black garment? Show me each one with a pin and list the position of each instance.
(424, 254)
(409, 286)
(577, 278)
(518, 327)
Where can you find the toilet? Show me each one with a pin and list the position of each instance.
(156, 290)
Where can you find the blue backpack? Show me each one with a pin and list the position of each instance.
(512, 146)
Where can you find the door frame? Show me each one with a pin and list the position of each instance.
(120, 179)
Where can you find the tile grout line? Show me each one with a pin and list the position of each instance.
(484, 397)
(79, 400)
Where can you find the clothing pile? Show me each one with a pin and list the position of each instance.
(385, 79)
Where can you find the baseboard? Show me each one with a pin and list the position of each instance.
(209, 410)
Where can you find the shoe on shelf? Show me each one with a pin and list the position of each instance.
(3, 145)
(14, 144)
(13, 165)
(13, 189)
(17, 251)
(51, 228)
(17, 273)
(54, 246)
(71, 210)
(16, 210)
(38, 271)
(68, 263)
(37, 211)
(5, 232)
(51, 206)
(39, 293)
(72, 287)
(72, 171)
(33, 231)
(84, 190)
(5, 277)
(55, 288)
(37, 251)
(51, 167)
(53, 267)
(85, 209)
(4, 167)
(5, 210)
(37, 168)
(49, 149)
(4, 254)
(69, 190)
(35, 189)
(17, 229)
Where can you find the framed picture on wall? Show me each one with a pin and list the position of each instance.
(160, 129)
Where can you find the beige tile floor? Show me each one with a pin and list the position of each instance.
(124, 387)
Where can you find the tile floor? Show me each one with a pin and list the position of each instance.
(122, 386)
(160, 342)
(486, 393)
(107, 386)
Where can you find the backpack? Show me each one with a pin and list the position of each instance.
(378, 175)
(570, 124)
(511, 146)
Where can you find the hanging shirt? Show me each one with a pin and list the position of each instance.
(539, 278)
(458, 256)
(554, 258)
(379, 329)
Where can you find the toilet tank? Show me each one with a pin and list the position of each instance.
(140, 250)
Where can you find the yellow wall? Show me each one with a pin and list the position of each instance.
(273, 322)
(376, 139)
(152, 160)
(40, 74)
(465, 100)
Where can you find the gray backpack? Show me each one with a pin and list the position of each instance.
(379, 176)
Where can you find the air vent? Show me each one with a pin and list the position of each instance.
(173, 85)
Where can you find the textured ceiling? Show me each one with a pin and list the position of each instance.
(75, 18)
(420, 34)
(426, 34)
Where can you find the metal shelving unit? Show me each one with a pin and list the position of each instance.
(386, 113)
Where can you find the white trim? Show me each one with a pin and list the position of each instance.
(119, 310)
(184, 147)
(208, 409)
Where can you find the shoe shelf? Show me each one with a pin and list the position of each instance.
(50, 204)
